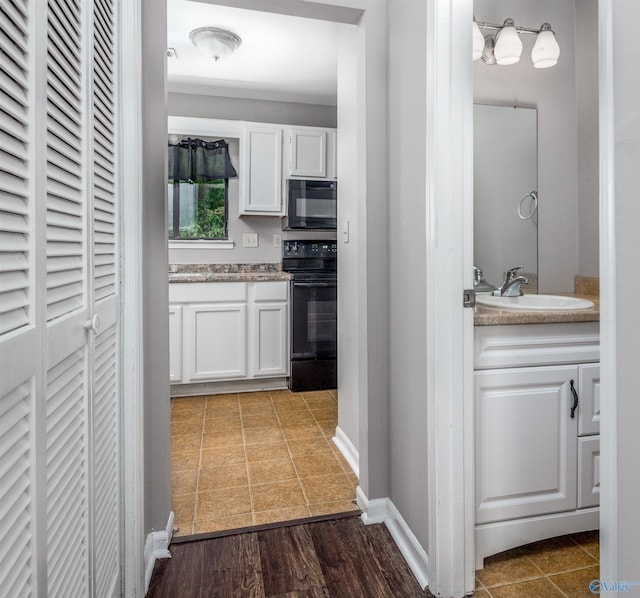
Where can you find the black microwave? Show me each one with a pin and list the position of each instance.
(311, 205)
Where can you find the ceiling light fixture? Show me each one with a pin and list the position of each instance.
(506, 48)
(215, 43)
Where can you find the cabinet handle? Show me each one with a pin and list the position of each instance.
(575, 399)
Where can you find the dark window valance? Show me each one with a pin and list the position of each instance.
(193, 160)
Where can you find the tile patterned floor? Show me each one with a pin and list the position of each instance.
(554, 568)
(252, 458)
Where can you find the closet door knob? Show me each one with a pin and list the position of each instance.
(93, 325)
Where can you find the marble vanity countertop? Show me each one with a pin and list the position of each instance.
(490, 316)
(226, 273)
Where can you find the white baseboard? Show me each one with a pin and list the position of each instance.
(373, 511)
(157, 547)
(348, 450)
(412, 551)
(216, 388)
(382, 510)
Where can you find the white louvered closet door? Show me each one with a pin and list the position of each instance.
(59, 461)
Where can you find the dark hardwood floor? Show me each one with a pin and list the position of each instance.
(337, 558)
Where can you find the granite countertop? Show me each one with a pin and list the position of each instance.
(226, 273)
(491, 316)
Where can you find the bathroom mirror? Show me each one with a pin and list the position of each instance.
(505, 192)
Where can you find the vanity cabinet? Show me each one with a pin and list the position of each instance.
(536, 466)
(525, 442)
(229, 331)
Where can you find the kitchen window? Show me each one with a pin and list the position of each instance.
(199, 173)
(198, 210)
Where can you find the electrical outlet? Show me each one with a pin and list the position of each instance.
(250, 239)
(277, 240)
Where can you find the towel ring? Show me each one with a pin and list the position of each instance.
(533, 206)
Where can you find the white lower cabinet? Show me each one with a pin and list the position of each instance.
(215, 342)
(175, 342)
(536, 434)
(223, 331)
(269, 329)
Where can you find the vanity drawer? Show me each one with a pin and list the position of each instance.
(588, 472)
(535, 344)
(589, 410)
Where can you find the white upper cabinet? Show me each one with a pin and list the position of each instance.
(308, 153)
(312, 153)
(261, 171)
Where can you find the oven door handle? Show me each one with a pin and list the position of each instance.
(315, 285)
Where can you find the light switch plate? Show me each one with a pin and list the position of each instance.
(277, 240)
(250, 239)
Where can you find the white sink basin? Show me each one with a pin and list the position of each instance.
(534, 302)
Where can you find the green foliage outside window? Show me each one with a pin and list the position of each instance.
(198, 210)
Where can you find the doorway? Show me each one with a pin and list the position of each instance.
(204, 413)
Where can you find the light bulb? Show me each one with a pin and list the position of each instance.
(478, 42)
(508, 44)
(546, 51)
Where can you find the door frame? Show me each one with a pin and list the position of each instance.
(608, 341)
(132, 530)
(449, 205)
(449, 235)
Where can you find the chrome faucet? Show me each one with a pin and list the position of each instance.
(511, 285)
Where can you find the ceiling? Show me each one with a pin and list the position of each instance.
(281, 58)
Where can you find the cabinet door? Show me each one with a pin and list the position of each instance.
(525, 442)
(175, 343)
(261, 171)
(215, 342)
(308, 153)
(588, 472)
(270, 339)
(589, 408)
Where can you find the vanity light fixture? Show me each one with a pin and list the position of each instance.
(546, 50)
(506, 47)
(508, 44)
(214, 42)
(478, 42)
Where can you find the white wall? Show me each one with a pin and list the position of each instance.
(408, 441)
(223, 108)
(157, 492)
(348, 266)
(266, 227)
(552, 91)
(285, 113)
(620, 363)
(586, 12)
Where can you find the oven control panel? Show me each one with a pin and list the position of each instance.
(309, 249)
